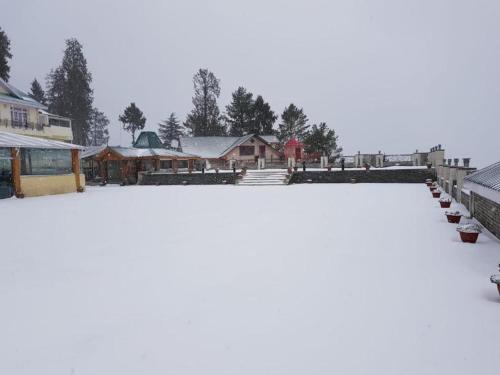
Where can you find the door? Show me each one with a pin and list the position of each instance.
(298, 153)
(6, 188)
(262, 151)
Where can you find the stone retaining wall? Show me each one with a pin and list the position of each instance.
(186, 179)
(371, 176)
(486, 212)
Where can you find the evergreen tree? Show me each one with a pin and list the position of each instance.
(99, 134)
(240, 112)
(69, 93)
(293, 124)
(263, 118)
(37, 92)
(205, 119)
(4, 55)
(170, 130)
(322, 140)
(133, 119)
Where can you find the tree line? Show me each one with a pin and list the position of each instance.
(69, 93)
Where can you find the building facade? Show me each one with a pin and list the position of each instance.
(21, 114)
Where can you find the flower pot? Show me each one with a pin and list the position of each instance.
(436, 194)
(469, 237)
(432, 188)
(455, 219)
(289, 170)
(429, 183)
(445, 204)
(295, 169)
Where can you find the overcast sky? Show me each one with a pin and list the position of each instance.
(386, 75)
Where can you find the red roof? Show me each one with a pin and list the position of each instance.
(293, 142)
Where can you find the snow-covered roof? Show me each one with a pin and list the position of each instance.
(16, 96)
(485, 182)
(91, 151)
(24, 141)
(131, 152)
(214, 147)
(398, 158)
(270, 138)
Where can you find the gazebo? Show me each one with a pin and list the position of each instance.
(294, 149)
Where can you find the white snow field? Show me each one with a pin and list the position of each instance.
(191, 280)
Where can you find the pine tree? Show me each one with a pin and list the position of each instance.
(240, 112)
(133, 119)
(293, 124)
(37, 92)
(170, 130)
(5, 55)
(99, 134)
(322, 140)
(205, 118)
(69, 93)
(263, 118)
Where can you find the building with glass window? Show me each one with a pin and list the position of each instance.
(21, 114)
(31, 166)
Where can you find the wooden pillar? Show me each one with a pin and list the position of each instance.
(75, 166)
(190, 165)
(123, 171)
(174, 165)
(15, 154)
(157, 164)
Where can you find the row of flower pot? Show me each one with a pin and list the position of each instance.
(469, 232)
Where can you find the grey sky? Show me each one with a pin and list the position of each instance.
(386, 75)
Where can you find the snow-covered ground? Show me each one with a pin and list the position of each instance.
(303, 279)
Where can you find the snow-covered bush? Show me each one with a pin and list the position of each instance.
(445, 199)
(469, 228)
(454, 213)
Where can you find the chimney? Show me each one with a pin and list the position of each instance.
(466, 162)
(449, 162)
(455, 161)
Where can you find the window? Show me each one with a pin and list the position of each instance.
(36, 161)
(165, 164)
(19, 116)
(59, 122)
(247, 150)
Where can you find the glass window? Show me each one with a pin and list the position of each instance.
(19, 116)
(247, 150)
(36, 161)
(165, 164)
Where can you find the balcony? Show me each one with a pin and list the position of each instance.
(60, 132)
(7, 123)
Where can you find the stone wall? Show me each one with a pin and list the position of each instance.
(186, 179)
(487, 213)
(371, 176)
(465, 200)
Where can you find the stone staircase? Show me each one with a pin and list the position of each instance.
(264, 177)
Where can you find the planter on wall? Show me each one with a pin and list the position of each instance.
(432, 188)
(436, 194)
(453, 217)
(469, 232)
(495, 279)
(445, 204)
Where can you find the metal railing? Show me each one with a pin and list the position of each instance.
(6, 123)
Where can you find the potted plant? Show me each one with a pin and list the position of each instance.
(428, 182)
(295, 169)
(432, 188)
(445, 202)
(469, 232)
(436, 193)
(453, 216)
(329, 168)
(495, 279)
(289, 170)
(367, 166)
